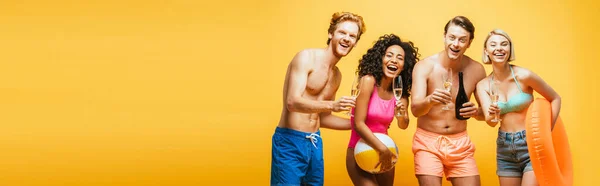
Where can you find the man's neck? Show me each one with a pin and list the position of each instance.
(328, 58)
(446, 62)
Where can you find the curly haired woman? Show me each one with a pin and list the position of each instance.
(376, 106)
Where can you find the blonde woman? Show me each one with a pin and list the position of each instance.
(515, 86)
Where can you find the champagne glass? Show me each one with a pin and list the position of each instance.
(397, 88)
(447, 85)
(494, 97)
(354, 91)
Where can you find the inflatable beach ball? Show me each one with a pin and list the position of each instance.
(366, 157)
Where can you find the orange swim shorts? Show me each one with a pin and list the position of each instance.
(439, 155)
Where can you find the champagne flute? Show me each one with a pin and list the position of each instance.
(447, 85)
(397, 88)
(494, 97)
(354, 91)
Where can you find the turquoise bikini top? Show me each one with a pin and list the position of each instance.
(517, 102)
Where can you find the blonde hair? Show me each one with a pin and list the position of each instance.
(486, 58)
(339, 17)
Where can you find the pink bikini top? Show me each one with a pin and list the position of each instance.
(379, 116)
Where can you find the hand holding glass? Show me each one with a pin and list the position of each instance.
(354, 91)
(447, 85)
(494, 97)
(397, 88)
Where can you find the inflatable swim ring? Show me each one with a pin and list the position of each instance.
(548, 150)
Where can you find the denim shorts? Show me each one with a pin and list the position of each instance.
(512, 156)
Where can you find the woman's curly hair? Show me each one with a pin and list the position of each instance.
(371, 64)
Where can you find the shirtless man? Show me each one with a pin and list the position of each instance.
(441, 144)
(311, 82)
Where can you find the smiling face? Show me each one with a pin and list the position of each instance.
(344, 38)
(497, 48)
(393, 61)
(456, 40)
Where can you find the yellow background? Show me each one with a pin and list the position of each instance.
(159, 92)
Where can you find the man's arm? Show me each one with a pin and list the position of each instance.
(421, 103)
(470, 109)
(298, 71)
(329, 120)
(480, 116)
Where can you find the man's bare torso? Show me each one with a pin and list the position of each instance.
(322, 83)
(444, 121)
